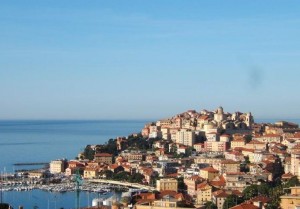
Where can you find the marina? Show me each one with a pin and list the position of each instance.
(27, 185)
(55, 200)
(33, 193)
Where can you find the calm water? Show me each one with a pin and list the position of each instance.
(43, 141)
(48, 200)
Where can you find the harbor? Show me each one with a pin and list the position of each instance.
(39, 194)
(55, 200)
(67, 185)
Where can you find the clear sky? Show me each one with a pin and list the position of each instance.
(148, 59)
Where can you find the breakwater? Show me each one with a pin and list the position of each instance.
(24, 164)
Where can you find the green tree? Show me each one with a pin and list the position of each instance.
(278, 169)
(292, 182)
(210, 205)
(248, 138)
(250, 191)
(181, 185)
(107, 173)
(247, 161)
(88, 152)
(264, 189)
(121, 176)
(232, 200)
(136, 178)
(255, 190)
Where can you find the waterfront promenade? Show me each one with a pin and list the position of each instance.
(127, 184)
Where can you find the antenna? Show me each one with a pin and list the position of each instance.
(0, 188)
(78, 181)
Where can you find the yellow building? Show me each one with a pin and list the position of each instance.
(167, 184)
(91, 172)
(229, 166)
(208, 173)
(256, 145)
(199, 147)
(237, 143)
(164, 203)
(204, 193)
(291, 201)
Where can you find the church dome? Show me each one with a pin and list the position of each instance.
(220, 110)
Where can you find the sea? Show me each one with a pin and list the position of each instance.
(36, 141)
(39, 141)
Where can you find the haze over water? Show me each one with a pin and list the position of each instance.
(46, 140)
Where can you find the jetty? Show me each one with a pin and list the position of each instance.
(22, 164)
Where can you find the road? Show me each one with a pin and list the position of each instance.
(127, 184)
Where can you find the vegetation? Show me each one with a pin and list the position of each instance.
(210, 205)
(248, 138)
(123, 176)
(181, 184)
(271, 190)
(109, 147)
(292, 182)
(255, 190)
(88, 152)
(232, 200)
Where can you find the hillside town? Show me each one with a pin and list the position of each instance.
(206, 159)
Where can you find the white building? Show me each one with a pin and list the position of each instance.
(57, 166)
(185, 137)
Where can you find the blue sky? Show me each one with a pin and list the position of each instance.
(148, 59)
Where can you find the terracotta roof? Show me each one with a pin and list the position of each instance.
(172, 175)
(261, 198)
(229, 162)
(179, 196)
(245, 206)
(195, 178)
(203, 117)
(235, 173)
(167, 192)
(287, 176)
(103, 155)
(148, 196)
(221, 182)
(210, 169)
(113, 166)
(256, 142)
(202, 185)
(220, 194)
